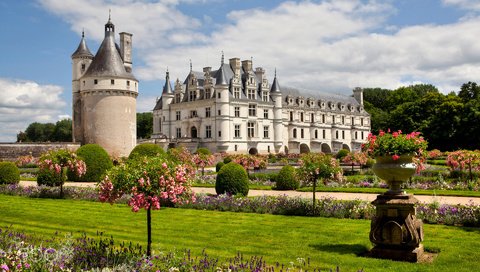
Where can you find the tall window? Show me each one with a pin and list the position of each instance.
(265, 131)
(207, 112)
(353, 121)
(193, 114)
(265, 114)
(237, 111)
(323, 118)
(343, 134)
(291, 116)
(265, 96)
(208, 131)
(333, 119)
(316, 134)
(219, 112)
(208, 93)
(312, 117)
(251, 94)
(177, 115)
(177, 98)
(179, 133)
(356, 135)
(219, 95)
(324, 134)
(193, 95)
(361, 121)
(236, 92)
(336, 134)
(362, 135)
(294, 133)
(252, 110)
(302, 135)
(343, 120)
(250, 129)
(301, 117)
(237, 131)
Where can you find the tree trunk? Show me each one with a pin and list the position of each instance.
(314, 191)
(149, 233)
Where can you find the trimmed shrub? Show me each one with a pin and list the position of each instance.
(97, 161)
(263, 176)
(227, 160)
(9, 173)
(232, 179)
(286, 179)
(219, 166)
(50, 178)
(204, 151)
(341, 154)
(147, 150)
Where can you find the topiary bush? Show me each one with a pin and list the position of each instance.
(9, 173)
(219, 166)
(146, 149)
(232, 179)
(227, 160)
(341, 154)
(50, 178)
(286, 179)
(97, 160)
(204, 151)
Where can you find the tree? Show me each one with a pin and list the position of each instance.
(62, 131)
(469, 91)
(144, 125)
(147, 181)
(314, 166)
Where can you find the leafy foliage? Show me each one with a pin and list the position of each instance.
(54, 164)
(9, 173)
(144, 125)
(286, 179)
(47, 132)
(219, 166)
(232, 179)
(146, 150)
(96, 160)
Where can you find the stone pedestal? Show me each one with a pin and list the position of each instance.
(395, 230)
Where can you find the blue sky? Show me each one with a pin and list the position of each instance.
(323, 46)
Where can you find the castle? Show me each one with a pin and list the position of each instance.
(235, 109)
(104, 93)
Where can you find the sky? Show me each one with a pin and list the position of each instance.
(322, 46)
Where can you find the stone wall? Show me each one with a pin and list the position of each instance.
(11, 151)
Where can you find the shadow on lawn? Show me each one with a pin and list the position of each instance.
(356, 249)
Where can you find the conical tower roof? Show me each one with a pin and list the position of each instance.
(167, 88)
(108, 61)
(82, 49)
(221, 75)
(275, 85)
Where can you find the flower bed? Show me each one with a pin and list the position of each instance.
(21, 252)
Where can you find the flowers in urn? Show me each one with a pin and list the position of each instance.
(397, 144)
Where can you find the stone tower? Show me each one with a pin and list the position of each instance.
(104, 94)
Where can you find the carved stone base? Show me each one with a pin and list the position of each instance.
(398, 254)
(395, 230)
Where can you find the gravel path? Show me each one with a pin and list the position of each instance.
(344, 196)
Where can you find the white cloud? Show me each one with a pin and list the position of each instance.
(24, 102)
(327, 45)
(464, 4)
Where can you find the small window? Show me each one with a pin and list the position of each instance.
(219, 95)
(236, 147)
(237, 111)
(83, 66)
(207, 112)
(84, 83)
(294, 133)
(219, 112)
(219, 134)
(128, 83)
(95, 81)
(265, 114)
(112, 81)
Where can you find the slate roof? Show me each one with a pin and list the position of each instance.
(82, 50)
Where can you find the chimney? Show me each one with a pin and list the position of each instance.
(358, 95)
(126, 50)
(247, 65)
(235, 65)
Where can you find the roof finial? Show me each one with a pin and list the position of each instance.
(168, 74)
(275, 71)
(191, 69)
(109, 14)
(83, 32)
(223, 58)
(251, 59)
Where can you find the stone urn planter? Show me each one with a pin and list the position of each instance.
(394, 172)
(395, 231)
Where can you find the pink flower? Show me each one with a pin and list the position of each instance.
(395, 157)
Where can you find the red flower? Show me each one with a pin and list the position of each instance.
(395, 157)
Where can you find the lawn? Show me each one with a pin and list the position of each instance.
(383, 190)
(327, 242)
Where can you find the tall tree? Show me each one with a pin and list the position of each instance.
(144, 125)
(63, 131)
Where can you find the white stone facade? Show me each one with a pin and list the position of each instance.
(235, 109)
(104, 93)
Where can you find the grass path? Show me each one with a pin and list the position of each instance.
(327, 242)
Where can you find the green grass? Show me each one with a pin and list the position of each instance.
(327, 242)
(380, 190)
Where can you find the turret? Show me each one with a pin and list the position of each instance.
(275, 93)
(222, 98)
(81, 60)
